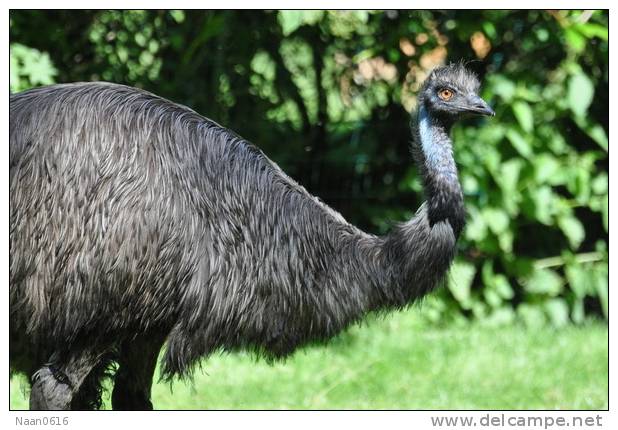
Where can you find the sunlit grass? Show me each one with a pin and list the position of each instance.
(400, 363)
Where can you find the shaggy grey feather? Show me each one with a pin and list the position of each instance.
(135, 221)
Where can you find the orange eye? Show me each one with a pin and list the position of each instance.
(445, 94)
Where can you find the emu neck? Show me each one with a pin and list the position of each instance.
(437, 166)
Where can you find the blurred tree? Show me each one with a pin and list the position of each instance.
(327, 95)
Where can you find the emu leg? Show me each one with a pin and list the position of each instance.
(53, 386)
(90, 391)
(133, 380)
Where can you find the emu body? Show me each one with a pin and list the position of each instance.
(136, 222)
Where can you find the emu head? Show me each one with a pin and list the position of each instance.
(451, 92)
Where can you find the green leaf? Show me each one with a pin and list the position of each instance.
(178, 15)
(544, 281)
(581, 279)
(479, 309)
(543, 199)
(503, 87)
(263, 64)
(532, 315)
(491, 159)
(605, 212)
(476, 229)
(600, 184)
(581, 182)
(497, 219)
(591, 30)
(469, 184)
(500, 317)
(558, 312)
(505, 240)
(520, 144)
(503, 287)
(524, 115)
(572, 229)
(291, 20)
(602, 286)
(542, 34)
(33, 65)
(489, 29)
(312, 17)
(546, 168)
(525, 92)
(597, 133)
(580, 93)
(497, 287)
(14, 81)
(520, 266)
(578, 312)
(492, 297)
(575, 39)
(487, 273)
(557, 143)
(509, 175)
(462, 274)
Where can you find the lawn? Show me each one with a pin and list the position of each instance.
(401, 363)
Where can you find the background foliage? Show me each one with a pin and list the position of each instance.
(327, 95)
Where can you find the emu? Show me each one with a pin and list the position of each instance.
(135, 222)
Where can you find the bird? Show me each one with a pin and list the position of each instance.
(136, 223)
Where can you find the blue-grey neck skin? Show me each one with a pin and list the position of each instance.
(434, 156)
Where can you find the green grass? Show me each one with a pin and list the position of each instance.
(400, 363)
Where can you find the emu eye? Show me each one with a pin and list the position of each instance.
(446, 94)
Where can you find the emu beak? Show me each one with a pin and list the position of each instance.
(476, 105)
